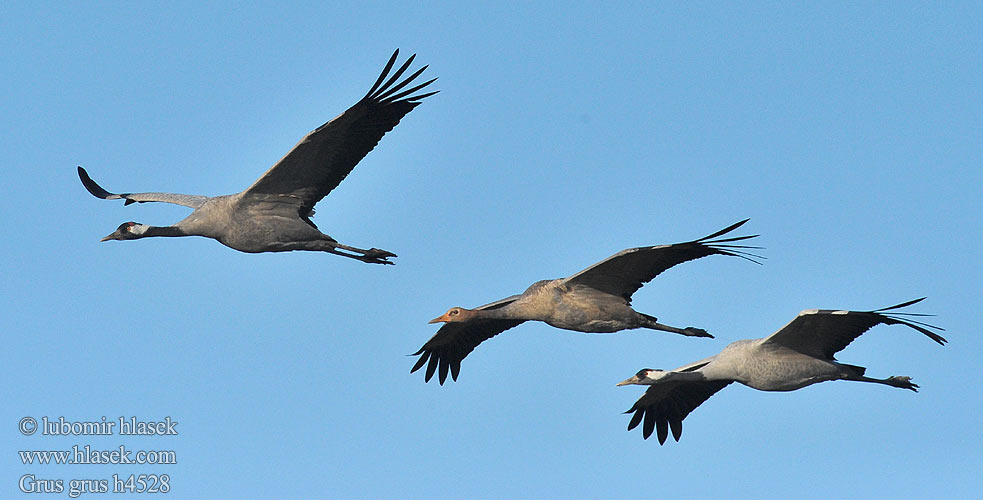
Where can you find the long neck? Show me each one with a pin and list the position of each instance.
(508, 311)
(723, 366)
(161, 231)
(692, 376)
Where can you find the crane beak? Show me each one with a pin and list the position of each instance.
(629, 381)
(113, 236)
(439, 319)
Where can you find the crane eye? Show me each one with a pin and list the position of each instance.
(454, 312)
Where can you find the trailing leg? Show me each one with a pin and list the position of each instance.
(372, 255)
(901, 382)
(652, 323)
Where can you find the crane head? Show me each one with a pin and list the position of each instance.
(454, 314)
(646, 376)
(126, 231)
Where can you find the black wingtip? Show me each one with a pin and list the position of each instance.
(725, 230)
(385, 88)
(419, 363)
(919, 326)
(382, 76)
(389, 98)
(442, 371)
(676, 425)
(399, 72)
(91, 186)
(899, 306)
(417, 98)
(905, 318)
(725, 245)
(388, 94)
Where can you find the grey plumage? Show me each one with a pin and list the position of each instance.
(595, 300)
(797, 355)
(273, 214)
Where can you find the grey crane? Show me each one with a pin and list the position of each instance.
(274, 213)
(595, 300)
(798, 355)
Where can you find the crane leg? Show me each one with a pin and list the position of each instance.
(372, 255)
(689, 331)
(898, 381)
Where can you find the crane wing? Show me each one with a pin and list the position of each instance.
(323, 158)
(665, 405)
(187, 200)
(454, 341)
(625, 272)
(824, 332)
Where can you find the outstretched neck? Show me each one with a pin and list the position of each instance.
(148, 231)
(509, 311)
(670, 377)
(691, 376)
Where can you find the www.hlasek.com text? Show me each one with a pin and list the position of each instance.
(85, 455)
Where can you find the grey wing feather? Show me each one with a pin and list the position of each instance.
(454, 341)
(625, 272)
(187, 200)
(824, 332)
(664, 406)
(322, 159)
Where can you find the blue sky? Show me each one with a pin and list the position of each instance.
(849, 134)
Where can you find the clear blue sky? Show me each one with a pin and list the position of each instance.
(850, 135)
